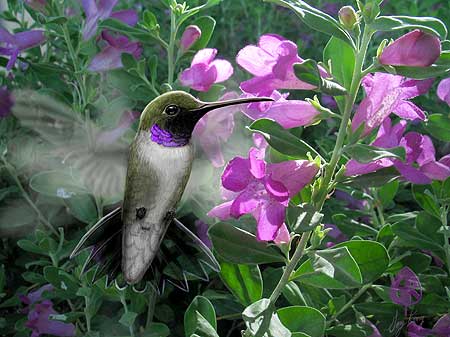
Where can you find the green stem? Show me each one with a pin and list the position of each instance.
(86, 314)
(25, 195)
(349, 303)
(151, 308)
(171, 49)
(125, 307)
(444, 216)
(331, 168)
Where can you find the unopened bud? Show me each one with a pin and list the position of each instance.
(348, 17)
(190, 35)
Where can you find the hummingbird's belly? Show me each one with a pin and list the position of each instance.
(156, 179)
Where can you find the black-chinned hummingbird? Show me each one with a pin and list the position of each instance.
(159, 166)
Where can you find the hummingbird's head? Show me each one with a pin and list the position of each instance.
(172, 116)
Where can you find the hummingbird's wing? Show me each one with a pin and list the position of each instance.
(182, 255)
(69, 142)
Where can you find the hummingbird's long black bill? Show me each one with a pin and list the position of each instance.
(221, 104)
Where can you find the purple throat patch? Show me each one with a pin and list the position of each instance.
(165, 138)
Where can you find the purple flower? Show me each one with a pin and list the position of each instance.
(39, 315)
(190, 35)
(6, 102)
(287, 113)
(101, 10)
(420, 166)
(443, 90)
(440, 329)
(202, 232)
(205, 70)
(351, 202)
(329, 102)
(388, 93)
(214, 129)
(336, 234)
(12, 45)
(263, 190)
(271, 62)
(406, 289)
(416, 49)
(110, 56)
(40, 323)
(330, 8)
(34, 296)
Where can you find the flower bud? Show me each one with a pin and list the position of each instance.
(414, 49)
(369, 10)
(348, 17)
(190, 35)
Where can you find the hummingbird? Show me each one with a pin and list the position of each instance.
(159, 165)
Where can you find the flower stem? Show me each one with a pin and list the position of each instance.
(171, 48)
(25, 195)
(331, 167)
(347, 305)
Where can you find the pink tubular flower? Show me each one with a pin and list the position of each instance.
(13, 44)
(440, 329)
(271, 62)
(415, 49)
(110, 56)
(336, 234)
(406, 289)
(190, 35)
(96, 10)
(388, 93)
(287, 113)
(263, 190)
(419, 150)
(214, 129)
(443, 90)
(40, 323)
(205, 70)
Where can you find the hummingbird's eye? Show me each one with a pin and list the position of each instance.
(172, 110)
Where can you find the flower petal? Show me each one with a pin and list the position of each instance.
(109, 58)
(128, 16)
(409, 110)
(443, 90)
(411, 173)
(270, 218)
(236, 175)
(246, 202)
(354, 168)
(105, 7)
(224, 70)
(221, 211)
(199, 77)
(255, 60)
(435, 170)
(29, 39)
(257, 165)
(294, 174)
(389, 136)
(270, 43)
(6, 36)
(277, 190)
(283, 235)
(190, 35)
(204, 56)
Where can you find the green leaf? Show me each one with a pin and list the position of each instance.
(16, 218)
(422, 73)
(387, 192)
(261, 320)
(150, 21)
(316, 19)
(203, 327)
(57, 184)
(244, 281)
(308, 72)
(132, 32)
(342, 58)
(187, 14)
(83, 208)
(128, 318)
(238, 246)
(156, 330)
(31, 247)
(438, 125)
(374, 179)
(199, 305)
(367, 153)
(66, 286)
(330, 268)
(307, 320)
(281, 139)
(427, 24)
(426, 201)
(206, 25)
(371, 257)
(307, 218)
(412, 236)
